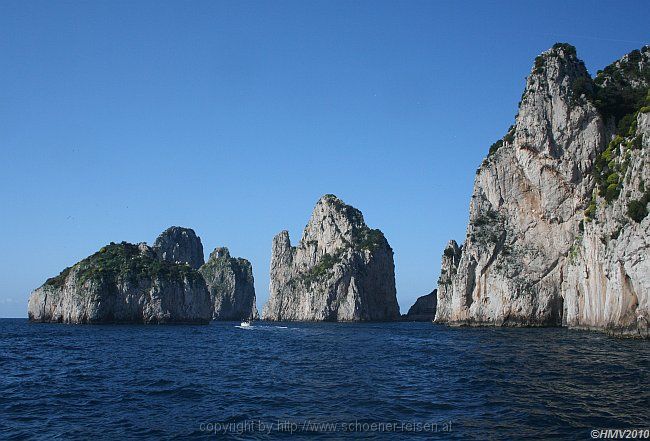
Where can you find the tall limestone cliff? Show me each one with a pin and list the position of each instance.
(123, 283)
(341, 270)
(231, 285)
(180, 245)
(558, 232)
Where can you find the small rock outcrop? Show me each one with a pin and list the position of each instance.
(180, 245)
(450, 261)
(558, 227)
(424, 308)
(231, 285)
(341, 270)
(123, 283)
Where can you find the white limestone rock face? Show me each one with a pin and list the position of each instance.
(180, 245)
(231, 285)
(450, 260)
(525, 260)
(123, 283)
(608, 272)
(341, 270)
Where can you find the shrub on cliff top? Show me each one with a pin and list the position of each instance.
(617, 92)
(494, 147)
(508, 138)
(59, 281)
(566, 47)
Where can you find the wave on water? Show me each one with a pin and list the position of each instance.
(152, 382)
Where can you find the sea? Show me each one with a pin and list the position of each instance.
(317, 381)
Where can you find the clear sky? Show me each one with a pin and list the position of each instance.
(121, 118)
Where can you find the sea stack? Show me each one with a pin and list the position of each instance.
(123, 283)
(558, 229)
(341, 270)
(231, 285)
(424, 308)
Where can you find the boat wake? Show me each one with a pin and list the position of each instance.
(265, 327)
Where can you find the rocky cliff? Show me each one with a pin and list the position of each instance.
(424, 308)
(558, 232)
(231, 285)
(180, 245)
(123, 283)
(341, 270)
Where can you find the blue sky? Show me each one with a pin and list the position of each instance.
(119, 119)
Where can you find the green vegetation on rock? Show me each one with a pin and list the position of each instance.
(611, 164)
(539, 64)
(509, 138)
(351, 213)
(363, 237)
(494, 147)
(449, 252)
(221, 262)
(582, 86)
(124, 261)
(566, 47)
(326, 263)
(540, 59)
(322, 268)
(590, 211)
(490, 217)
(619, 100)
(616, 95)
(58, 281)
(637, 210)
(370, 239)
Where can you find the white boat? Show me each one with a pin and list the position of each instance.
(245, 324)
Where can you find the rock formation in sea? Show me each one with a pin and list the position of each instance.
(341, 270)
(180, 245)
(558, 229)
(123, 283)
(231, 285)
(450, 260)
(424, 308)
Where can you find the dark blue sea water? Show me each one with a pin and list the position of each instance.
(328, 381)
